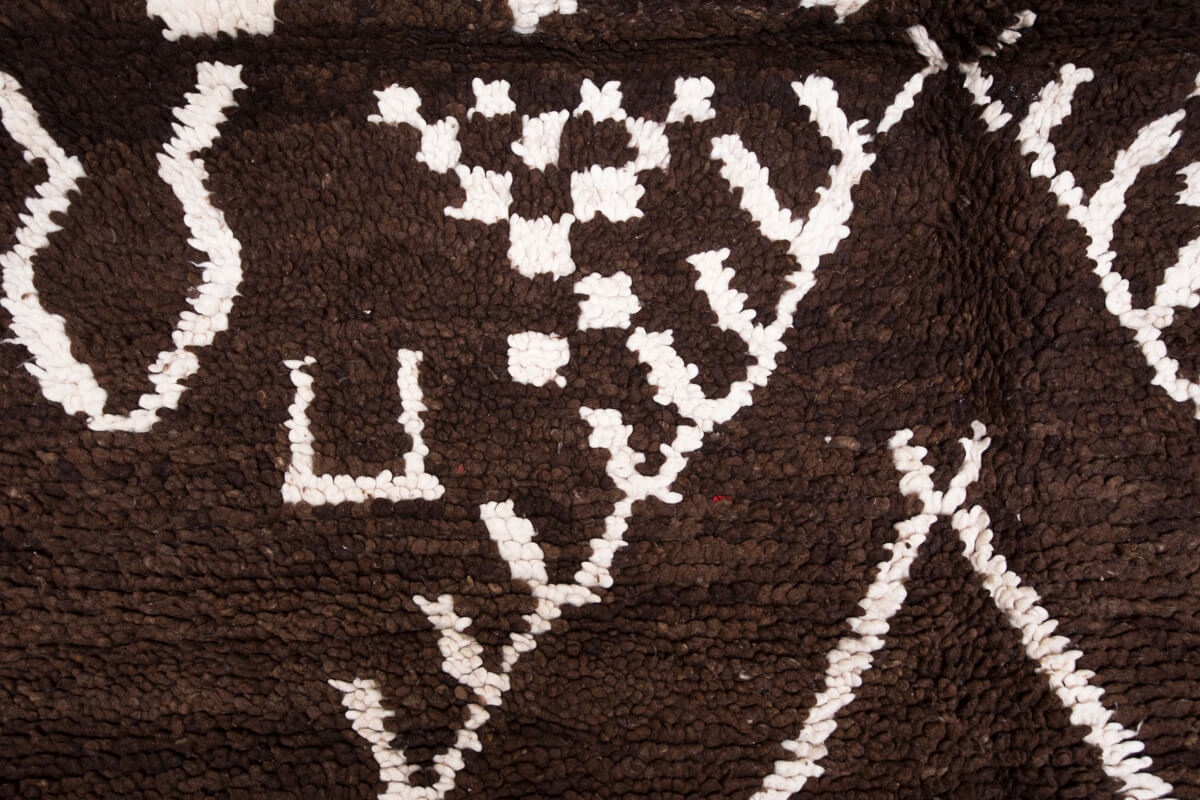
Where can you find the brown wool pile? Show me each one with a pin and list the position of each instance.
(591, 400)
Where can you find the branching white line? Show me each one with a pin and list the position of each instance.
(541, 252)
(1020, 604)
(935, 63)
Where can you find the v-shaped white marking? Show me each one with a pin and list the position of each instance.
(62, 378)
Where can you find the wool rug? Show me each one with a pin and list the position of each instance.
(585, 399)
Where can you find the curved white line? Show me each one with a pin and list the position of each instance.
(62, 378)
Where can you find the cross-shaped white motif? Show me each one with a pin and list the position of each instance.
(853, 654)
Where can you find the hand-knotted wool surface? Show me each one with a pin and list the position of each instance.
(588, 400)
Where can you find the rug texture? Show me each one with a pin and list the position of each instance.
(586, 400)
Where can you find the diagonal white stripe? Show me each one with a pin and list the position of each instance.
(853, 654)
(1021, 606)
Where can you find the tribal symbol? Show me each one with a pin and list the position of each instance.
(1020, 604)
(1099, 214)
(543, 247)
(853, 655)
(528, 13)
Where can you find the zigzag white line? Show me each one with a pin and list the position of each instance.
(62, 378)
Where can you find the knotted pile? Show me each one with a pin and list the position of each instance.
(597, 400)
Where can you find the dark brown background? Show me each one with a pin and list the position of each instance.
(169, 624)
